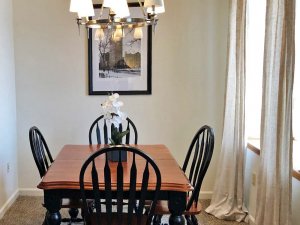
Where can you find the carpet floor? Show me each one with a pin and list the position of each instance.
(29, 211)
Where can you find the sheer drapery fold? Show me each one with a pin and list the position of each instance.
(274, 179)
(227, 201)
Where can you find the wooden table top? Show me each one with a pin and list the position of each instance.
(64, 171)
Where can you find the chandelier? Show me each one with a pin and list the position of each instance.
(115, 14)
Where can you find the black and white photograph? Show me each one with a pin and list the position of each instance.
(120, 59)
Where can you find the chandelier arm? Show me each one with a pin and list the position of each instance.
(78, 24)
(112, 22)
(142, 8)
(101, 11)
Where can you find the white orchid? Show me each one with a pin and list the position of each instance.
(117, 104)
(112, 106)
(112, 113)
(113, 97)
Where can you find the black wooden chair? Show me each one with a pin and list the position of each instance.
(43, 159)
(195, 166)
(115, 190)
(100, 131)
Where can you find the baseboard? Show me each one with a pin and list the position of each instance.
(8, 203)
(30, 192)
(205, 194)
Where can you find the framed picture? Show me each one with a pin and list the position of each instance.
(120, 63)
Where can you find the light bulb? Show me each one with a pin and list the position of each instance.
(99, 34)
(118, 34)
(138, 33)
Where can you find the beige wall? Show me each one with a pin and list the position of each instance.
(189, 56)
(8, 147)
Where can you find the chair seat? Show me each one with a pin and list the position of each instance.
(124, 220)
(163, 209)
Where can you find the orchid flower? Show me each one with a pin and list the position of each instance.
(112, 113)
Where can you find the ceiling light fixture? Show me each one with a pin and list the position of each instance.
(117, 15)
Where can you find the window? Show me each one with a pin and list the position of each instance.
(254, 73)
(254, 66)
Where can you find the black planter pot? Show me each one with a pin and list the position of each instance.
(114, 156)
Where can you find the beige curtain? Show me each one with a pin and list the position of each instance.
(274, 178)
(227, 200)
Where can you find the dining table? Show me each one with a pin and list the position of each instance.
(62, 180)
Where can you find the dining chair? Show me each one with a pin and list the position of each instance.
(101, 130)
(43, 159)
(137, 172)
(195, 165)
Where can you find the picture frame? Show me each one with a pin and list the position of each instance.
(123, 66)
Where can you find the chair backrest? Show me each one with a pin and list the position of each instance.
(197, 161)
(101, 131)
(139, 165)
(40, 150)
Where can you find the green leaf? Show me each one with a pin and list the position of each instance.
(116, 136)
(112, 142)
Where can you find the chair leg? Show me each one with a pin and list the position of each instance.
(188, 220)
(73, 212)
(194, 220)
(157, 219)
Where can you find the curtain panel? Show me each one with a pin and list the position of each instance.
(228, 196)
(275, 168)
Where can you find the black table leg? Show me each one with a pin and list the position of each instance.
(53, 204)
(176, 204)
